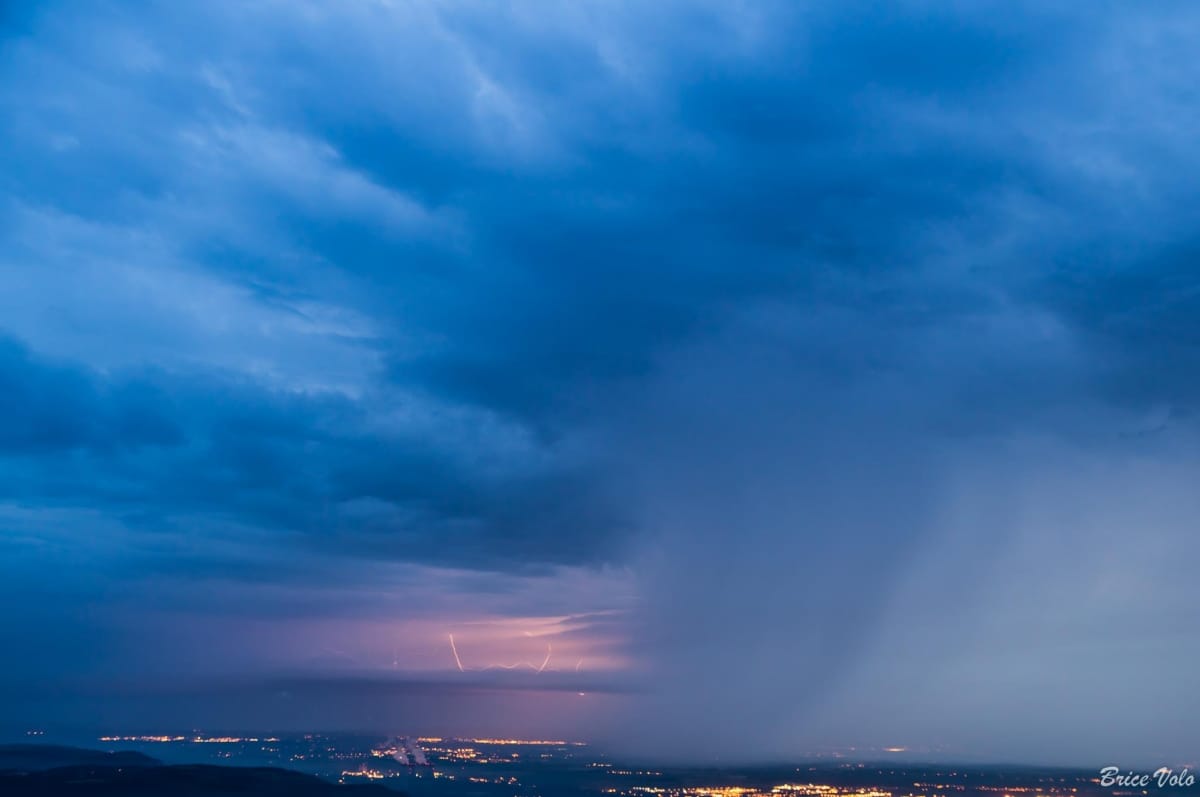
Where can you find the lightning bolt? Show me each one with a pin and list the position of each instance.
(529, 664)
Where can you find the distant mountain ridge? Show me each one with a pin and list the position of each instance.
(28, 770)
(48, 756)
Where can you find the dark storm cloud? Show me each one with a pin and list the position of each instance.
(307, 465)
(48, 408)
(731, 295)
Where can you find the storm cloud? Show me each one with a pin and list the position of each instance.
(839, 362)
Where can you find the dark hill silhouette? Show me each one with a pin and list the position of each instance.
(49, 771)
(48, 756)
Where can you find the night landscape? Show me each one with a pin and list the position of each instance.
(521, 399)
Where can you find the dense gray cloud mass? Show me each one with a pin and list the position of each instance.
(847, 355)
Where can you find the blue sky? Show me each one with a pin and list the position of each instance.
(829, 368)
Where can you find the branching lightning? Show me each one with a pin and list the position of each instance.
(498, 666)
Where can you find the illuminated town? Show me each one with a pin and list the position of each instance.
(437, 765)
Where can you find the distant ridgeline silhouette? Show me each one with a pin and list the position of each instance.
(44, 770)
